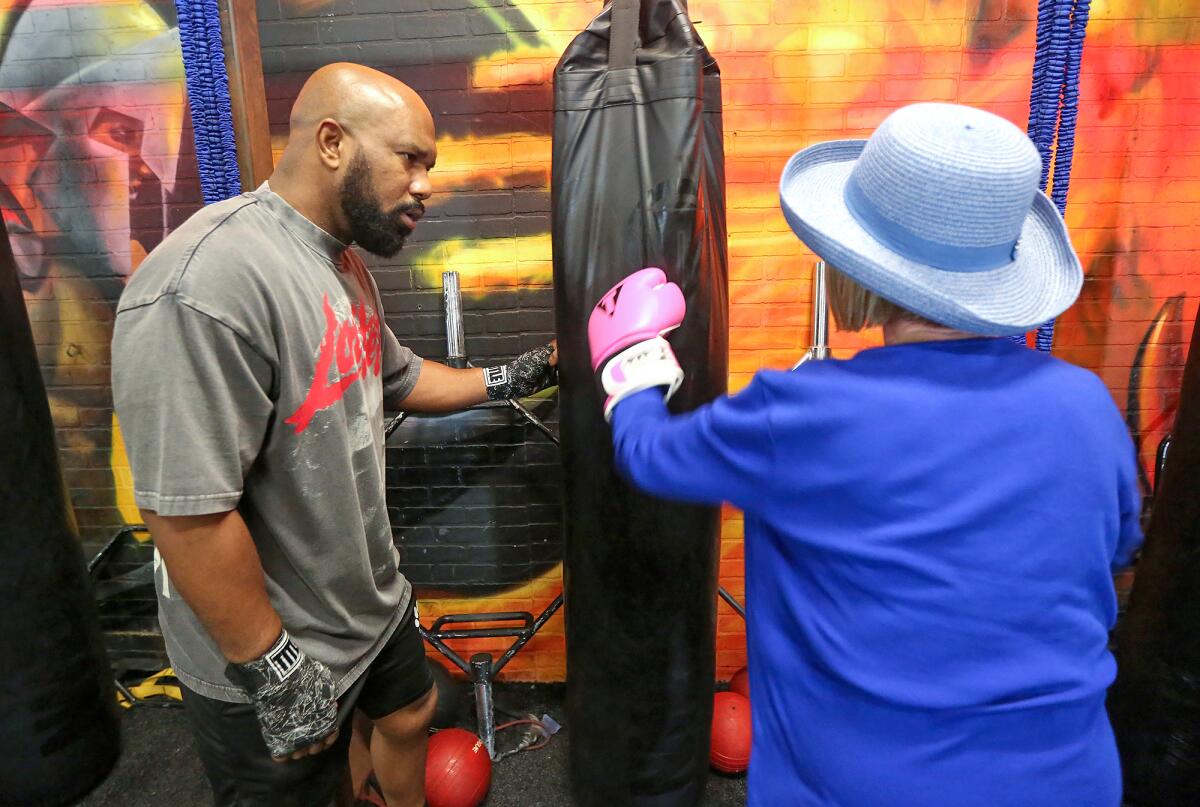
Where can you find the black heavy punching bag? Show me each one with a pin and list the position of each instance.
(1155, 703)
(637, 181)
(58, 722)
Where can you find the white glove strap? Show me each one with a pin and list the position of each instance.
(642, 366)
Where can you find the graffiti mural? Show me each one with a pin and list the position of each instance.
(97, 167)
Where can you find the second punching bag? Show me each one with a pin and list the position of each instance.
(637, 181)
(1155, 701)
(58, 723)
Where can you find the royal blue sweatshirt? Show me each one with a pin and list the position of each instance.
(931, 531)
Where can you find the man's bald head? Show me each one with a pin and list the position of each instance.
(361, 144)
(354, 96)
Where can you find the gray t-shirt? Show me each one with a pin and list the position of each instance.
(249, 371)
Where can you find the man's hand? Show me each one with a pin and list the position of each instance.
(293, 699)
(213, 564)
(530, 372)
(625, 334)
(448, 389)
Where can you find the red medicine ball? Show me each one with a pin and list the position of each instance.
(740, 683)
(458, 771)
(730, 749)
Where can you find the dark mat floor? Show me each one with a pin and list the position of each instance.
(159, 768)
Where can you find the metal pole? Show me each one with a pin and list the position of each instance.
(820, 315)
(481, 673)
(820, 319)
(733, 603)
(456, 350)
(533, 420)
(528, 634)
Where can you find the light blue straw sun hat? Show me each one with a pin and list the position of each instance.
(940, 213)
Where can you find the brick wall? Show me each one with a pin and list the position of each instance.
(476, 515)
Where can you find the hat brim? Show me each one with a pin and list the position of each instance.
(1042, 280)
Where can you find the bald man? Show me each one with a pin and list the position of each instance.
(251, 368)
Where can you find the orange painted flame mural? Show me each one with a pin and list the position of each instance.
(794, 72)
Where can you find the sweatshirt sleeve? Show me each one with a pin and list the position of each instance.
(1129, 540)
(723, 451)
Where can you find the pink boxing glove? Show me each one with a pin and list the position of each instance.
(625, 335)
(642, 306)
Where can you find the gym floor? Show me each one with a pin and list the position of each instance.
(158, 766)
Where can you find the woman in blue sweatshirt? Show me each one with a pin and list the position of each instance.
(932, 525)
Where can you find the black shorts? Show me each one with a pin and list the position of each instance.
(236, 760)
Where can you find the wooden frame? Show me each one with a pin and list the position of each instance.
(247, 94)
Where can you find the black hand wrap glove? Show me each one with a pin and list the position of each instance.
(292, 695)
(528, 373)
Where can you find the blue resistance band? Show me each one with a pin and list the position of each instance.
(208, 98)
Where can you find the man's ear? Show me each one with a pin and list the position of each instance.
(331, 143)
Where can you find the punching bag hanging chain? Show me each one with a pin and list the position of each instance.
(1054, 103)
(208, 98)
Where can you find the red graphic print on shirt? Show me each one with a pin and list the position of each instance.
(353, 345)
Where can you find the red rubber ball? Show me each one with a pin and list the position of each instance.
(740, 682)
(458, 771)
(730, 749)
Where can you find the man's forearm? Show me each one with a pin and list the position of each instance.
(443, 389)
(213, 564)
(446, 389)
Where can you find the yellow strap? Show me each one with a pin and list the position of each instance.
(153, 687)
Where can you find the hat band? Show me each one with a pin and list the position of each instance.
(949, 257)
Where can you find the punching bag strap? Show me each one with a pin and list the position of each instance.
(623, 34)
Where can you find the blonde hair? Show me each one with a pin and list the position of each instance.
(855, 308)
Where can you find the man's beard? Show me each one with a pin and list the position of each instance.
(378, 231)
